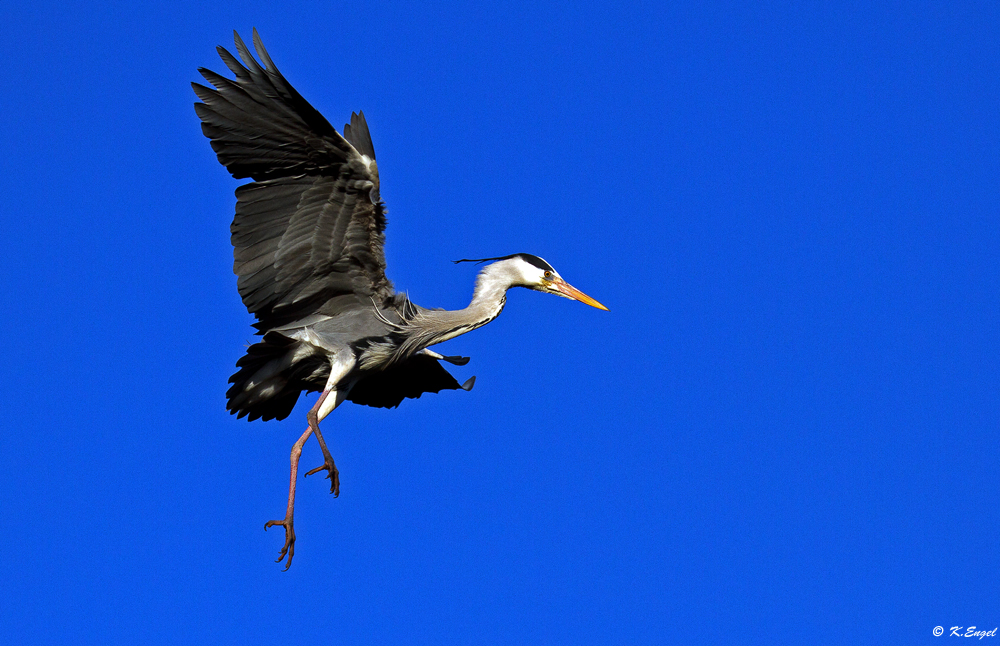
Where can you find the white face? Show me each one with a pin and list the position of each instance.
(548, 280)
(531, 276)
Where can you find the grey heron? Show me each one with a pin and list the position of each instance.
(308, 236)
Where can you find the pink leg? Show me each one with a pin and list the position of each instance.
(332, 473)
(289, 547)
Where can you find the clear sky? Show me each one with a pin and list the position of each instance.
(786, 430)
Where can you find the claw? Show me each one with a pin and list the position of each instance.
(289, 548)
(333, 474)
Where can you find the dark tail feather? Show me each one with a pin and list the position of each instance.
(267, 385)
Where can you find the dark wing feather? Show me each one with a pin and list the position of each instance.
(409, 379)
(356, 132)
(310, 228)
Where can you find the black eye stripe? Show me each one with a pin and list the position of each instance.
(536, 261)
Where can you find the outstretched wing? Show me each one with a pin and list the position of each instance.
(309, 229)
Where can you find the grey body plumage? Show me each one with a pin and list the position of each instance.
(308, 240)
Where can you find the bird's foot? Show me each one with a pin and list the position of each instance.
(333, 474)
(289, 548)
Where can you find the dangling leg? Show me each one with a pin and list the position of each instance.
(289, 547)
(328, 401)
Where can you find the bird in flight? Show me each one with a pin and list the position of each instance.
(307, 237)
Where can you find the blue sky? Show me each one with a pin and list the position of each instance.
(784, 431)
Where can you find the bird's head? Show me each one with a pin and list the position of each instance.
(526, 270)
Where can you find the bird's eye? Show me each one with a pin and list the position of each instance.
(547, 274)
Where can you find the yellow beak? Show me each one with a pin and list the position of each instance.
(568, 290)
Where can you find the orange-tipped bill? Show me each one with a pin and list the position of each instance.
(569, 291)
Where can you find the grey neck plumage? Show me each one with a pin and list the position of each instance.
(429, 327)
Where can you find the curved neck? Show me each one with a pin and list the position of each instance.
(488, 299)
(490, 293)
